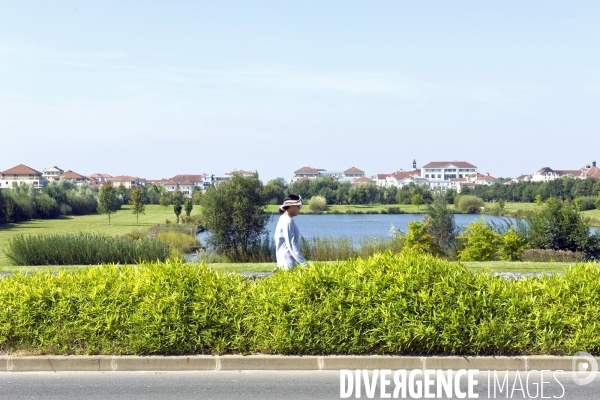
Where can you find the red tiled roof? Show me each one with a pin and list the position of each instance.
(362, 181)
(354, 170)
(383, 176)
(307, 170)
(97, 175)
(193, 178)
(405, 174)
(124, 178)
(21, 169)
(442, 164)
(71, 175)
(593, 172)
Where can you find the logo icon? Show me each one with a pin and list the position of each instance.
(584, 368)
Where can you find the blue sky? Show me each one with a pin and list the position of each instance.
(155, 89)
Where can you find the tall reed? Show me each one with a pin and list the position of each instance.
(83, 249)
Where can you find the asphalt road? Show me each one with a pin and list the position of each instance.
(250, 385)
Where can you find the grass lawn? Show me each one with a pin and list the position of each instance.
(121, 223)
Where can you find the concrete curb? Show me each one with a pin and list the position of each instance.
(273, 362)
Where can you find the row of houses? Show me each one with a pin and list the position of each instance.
(22, 174)
(547, 174)
(437, 175)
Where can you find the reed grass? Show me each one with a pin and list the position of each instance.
(83, 248)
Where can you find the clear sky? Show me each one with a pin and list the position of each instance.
(159, 88)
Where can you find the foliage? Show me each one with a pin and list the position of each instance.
(441, 225)
(136, 197)
(107, 200)
(177, 207)
(512, 245)
(481, 242)
(586, 203)
(469, 204)
(165, 199)
(342, 248)
(317, 204)
(406, 303)
(598, 202)
(234, 214)
(419, 239)
(559, 225)
(82, 248)
(188, 206)
(416, 200)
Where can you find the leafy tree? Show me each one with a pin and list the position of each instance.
(559, 225)
(274, 194)
(234, 214)
(196, 195)
(123, 193)
(165, 199)
(418, 238)
(280, 182)
(481, 242)
(441, 223)
(107, 200)
(417, 200)
(512, 246)
(177, 207)
(136, 196)
(188, 206)
(317, 204)
(598, 203)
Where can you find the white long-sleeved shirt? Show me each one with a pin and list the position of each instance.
(287, 243)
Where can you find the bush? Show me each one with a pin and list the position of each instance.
(469, 204)
(406, 303)
(317, 204)
(394, 210)
(82, 249)
(548, 255)
(586, 203)
(481, 242)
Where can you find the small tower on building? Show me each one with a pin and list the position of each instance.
(414, 165)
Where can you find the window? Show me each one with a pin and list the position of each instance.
(426, 175)
(439, 176)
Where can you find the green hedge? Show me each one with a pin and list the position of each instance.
(387, 304)
(83, 248)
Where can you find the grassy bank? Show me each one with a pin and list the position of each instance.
(389, 304)
(121, 223)
(365, 209)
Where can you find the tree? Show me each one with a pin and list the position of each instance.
(469, 204)
(481, 242)
(234, 214)
(137, 196)
(317, 204)
(512, 246)
(2, 208)
(559, 225)
(165, 199)
(417, 200)
(107, 200)
(177, 200)
(419, 239)
(188, 206)
(441, 223)
(598, 203)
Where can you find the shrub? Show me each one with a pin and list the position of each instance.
(406, 303)
(469, 204)
(512, 246)
(548, 255)
(481, 242)
(586, 203)
(317, 204)
(559, 225)
(82, 249)
(394, 210)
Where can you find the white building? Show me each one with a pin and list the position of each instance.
(51, 173)
(21, 174)
(349, 175)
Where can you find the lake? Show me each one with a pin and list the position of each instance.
(357, 226)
